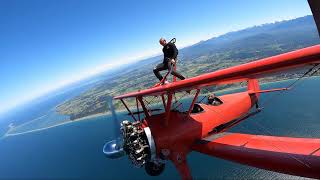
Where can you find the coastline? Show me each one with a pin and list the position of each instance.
(8, 134)
(219, 91)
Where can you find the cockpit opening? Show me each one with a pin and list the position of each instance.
(214, 100)
(197, 109)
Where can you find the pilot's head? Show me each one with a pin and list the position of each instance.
(162, 41)
(211, 96)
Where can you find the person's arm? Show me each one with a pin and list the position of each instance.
(174, 51)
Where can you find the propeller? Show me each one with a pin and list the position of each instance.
(113, 149)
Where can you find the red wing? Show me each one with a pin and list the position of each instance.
(256, 69)
(296, 156)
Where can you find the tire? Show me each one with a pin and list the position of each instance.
(154, 169)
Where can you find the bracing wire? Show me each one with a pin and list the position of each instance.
(293, 84)
(265, 129)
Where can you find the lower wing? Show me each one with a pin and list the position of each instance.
(296, 156)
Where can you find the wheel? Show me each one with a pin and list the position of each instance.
(154, 169)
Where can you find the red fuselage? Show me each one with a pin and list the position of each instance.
(183, 129)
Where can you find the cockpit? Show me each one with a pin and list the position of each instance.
(197, 108)
(215, 101)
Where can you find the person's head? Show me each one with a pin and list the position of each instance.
(211, 96)
(162, 41)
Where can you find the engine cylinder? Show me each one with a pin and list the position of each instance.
(138, 143)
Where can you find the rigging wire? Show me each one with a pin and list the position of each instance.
(215, 87)
(305, 74)
(277, 147)
(265, 129)
(178, 104)
(293, 84)
(270, 143)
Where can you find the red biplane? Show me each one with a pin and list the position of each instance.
(152, 139)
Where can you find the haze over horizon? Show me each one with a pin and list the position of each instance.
(77, 49)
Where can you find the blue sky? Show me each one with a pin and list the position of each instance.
(47, 44)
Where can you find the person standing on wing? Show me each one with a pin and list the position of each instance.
(170, 53)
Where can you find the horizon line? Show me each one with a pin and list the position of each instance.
(103, 68)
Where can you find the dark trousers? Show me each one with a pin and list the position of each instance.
(163, 66)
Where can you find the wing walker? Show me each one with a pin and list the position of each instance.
(156, 136)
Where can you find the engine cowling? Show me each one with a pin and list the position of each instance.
(140, 147)
(138, 143)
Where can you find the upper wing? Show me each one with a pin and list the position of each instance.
(255, 69)
(296, 156)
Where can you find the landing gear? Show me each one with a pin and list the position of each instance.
(154, 169)
(258, 108)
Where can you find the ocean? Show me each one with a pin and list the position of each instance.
(74, 150)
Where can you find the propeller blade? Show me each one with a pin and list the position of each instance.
(116, 125)
(113, 149)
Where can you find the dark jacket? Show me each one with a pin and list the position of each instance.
(170, 51)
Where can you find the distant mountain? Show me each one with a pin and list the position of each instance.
(291, 34)
(206, 56)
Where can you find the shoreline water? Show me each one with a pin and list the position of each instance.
(8, 134)
(219, 91)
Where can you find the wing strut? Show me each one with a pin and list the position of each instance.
(193, 101)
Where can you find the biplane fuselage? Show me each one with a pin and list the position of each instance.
(149, 142)
(175, 132)
(171, 135)
(184, 129)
